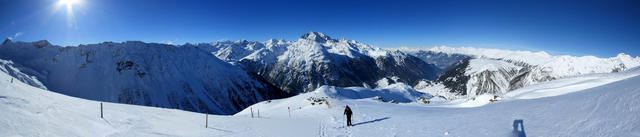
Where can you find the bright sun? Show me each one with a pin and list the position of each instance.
(71, 19)
(68, 3)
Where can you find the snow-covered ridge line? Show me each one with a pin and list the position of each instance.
(559, 66)
(516, 55)
(316, 59)
(496, 71)
(135, 72)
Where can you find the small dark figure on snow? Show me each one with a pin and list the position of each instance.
(347, 111)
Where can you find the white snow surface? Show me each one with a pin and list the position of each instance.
(588, 105)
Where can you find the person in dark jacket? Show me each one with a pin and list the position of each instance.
(347, 111)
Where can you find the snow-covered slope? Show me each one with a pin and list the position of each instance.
(316, 59)
(499, 71)
(590, 105)
(141, 73)
(30, 111)
(16, 71)
(598, 105)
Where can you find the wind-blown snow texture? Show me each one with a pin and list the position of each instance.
(583, 106)
(138, 73)
(496, 71)
(316, 59)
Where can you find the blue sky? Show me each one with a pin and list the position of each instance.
(584, 27)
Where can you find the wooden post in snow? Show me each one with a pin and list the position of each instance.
(11, 80)
(101, 110)
(206, 123)
(251, 112)
(289, 108)
(258, 113)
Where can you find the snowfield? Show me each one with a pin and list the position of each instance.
(588, 105)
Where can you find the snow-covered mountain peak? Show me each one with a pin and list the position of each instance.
(271, 41)
(42, 43)
(316, 36)
(316, 59)
(8, 40)
(625, 56)
(134, 42)
(349, 48)
(38, 44)
(242, 41)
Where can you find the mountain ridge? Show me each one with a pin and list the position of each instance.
(506, 70)
(315, 59)
(135, 72)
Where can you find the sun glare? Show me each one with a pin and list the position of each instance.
(68, 3)
(71, 19)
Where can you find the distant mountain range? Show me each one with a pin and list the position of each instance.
(316, 59)
(497, 71)
(227, 76)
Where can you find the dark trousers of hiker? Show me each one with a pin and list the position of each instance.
(349, 120)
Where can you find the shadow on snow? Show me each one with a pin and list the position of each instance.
(518, 128)
(372, 121)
